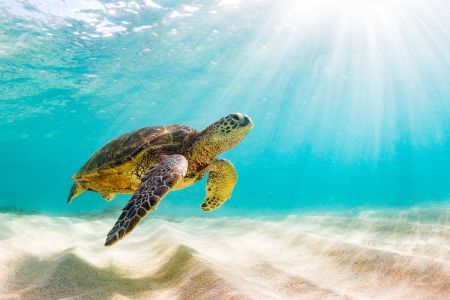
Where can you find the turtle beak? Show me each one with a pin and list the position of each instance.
(246, 122)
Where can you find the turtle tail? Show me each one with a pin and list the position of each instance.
(75, 191)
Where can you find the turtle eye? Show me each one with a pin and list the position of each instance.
(235, 117)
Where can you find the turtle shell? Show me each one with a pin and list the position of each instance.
(127, 146)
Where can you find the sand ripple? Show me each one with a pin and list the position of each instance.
(371, 254)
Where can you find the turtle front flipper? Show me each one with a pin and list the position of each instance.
(221, 181)
(156, 183)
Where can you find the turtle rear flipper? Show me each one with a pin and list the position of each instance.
(76, 190)
(107, 196)
(156, 183)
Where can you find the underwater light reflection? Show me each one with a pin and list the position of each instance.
(355, 78)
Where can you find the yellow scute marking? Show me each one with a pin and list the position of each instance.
(119, 178)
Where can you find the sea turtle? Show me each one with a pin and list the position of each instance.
(152, 161)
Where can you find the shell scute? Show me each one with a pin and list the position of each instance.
(127, 146)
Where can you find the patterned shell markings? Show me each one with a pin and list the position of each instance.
(125, 147)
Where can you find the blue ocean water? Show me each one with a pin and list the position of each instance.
(350, 99)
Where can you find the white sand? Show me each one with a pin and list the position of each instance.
(383, 255)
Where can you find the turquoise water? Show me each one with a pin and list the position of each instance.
(350, 99)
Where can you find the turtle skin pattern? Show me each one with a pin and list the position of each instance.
(156, 183)
(221, 181)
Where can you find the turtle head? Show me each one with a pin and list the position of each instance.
(227, 132)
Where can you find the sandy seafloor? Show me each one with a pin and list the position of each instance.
(396, 254)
